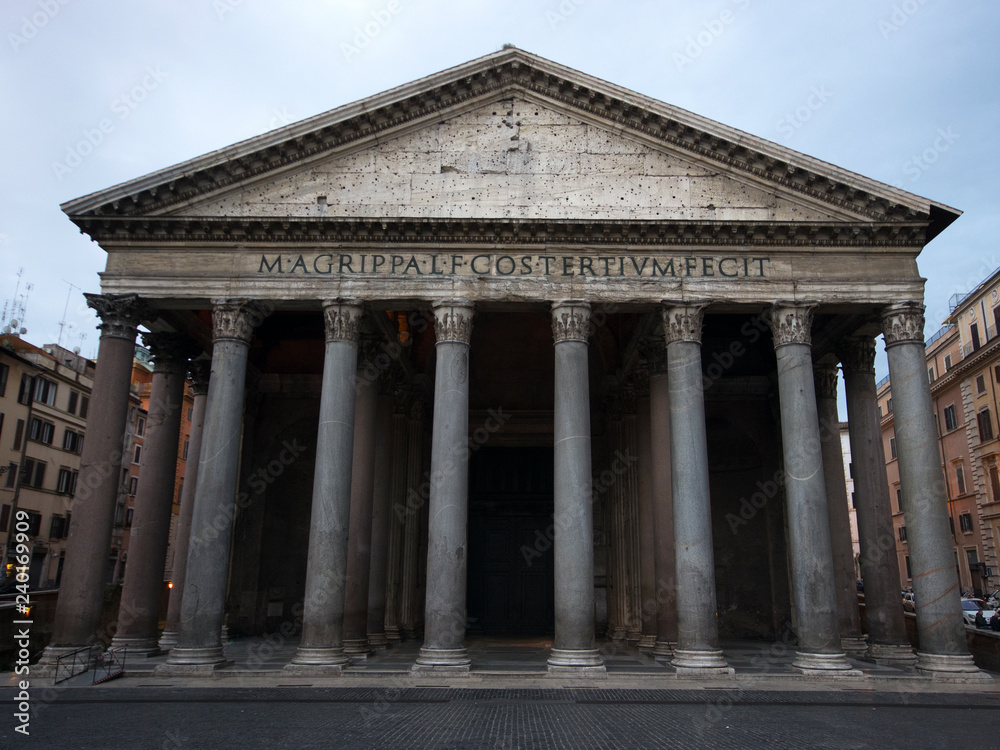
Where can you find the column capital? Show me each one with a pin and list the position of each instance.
(654, 351)
(857, 355)
(200, 371)
(453, 320)
(235, 319)
(120, 314)
(791, 322)
(342, 319)
(903, 323)
(682, 321)
(571, 320)
(170, 351)
(825, 377)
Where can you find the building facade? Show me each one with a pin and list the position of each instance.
(514, 350)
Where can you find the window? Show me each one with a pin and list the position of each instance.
(960, 478)
(909, 573)
(902, 533)
(18, 434)
(947, 362)
(45, 391)
(899, 500)
(57, 528)
(137, 454)
(24, 391)
(119, 514)
(965, 522)
(41, 430)
(128, 516)
(854, 499)
(985, 425)
(950, 423)
(974, 331)
(850, 469)
(980, 385)
(66, 482)
(888, 406)
(84, 405)
(190, 412)
(133, 484)
(74, 398)
(73, 441)
(187, 444)
(930, 374)
(33, 473)
(972, 557)
(140, 427)
(4, 516)
(11, 474)
(34, 523)
(892, 447)
(4, 372)
(180, 490)
(995, 483)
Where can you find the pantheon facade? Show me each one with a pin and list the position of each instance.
(509, 351)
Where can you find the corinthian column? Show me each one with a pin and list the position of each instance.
(199, 371)
(943, 651)
(813, 588)
(321, 649)
(887, 640)
(81, 595)
(573, 649)
(852, 640)
(697, 651)
(647, 515)
(199, 645)
(444, 618)
(138, 614)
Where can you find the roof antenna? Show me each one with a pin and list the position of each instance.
(62, 323)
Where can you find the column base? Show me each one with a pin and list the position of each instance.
(646, 642)
(393, 635)
(632, 637)
(575, 662)
(138, 648)
(357, 649)
(701, 663)
(663, 651)
(892, 654)
(854, 645)
(319, 658)
(194, 661)
(617, 634)
(950, 668)
(168, 640)
(451, 661)
(827, 665)
(378, 641)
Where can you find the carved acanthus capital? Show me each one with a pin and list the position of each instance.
(791, 322)
(570, 321)
(170, 351)
(826, 378)
(857, 355)
(120, 314)
(682, 322)
(235, 319)
(903, 323)
(654, 352)
(200, 371)
(342, 319)
(453, 320)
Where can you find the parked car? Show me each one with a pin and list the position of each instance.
(909, 603)
(971, 606)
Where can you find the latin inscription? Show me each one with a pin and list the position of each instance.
(430, 264)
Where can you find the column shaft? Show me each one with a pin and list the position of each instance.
(574, 647)
(697, 650)
(647, 526)
(381, 510)
(444, 612)
(138, 614)
(417, 493)
(397, 518)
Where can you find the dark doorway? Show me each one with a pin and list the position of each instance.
(510, 574)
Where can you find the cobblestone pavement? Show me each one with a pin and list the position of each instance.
(445, 717)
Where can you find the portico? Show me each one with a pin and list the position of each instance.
(513, 256)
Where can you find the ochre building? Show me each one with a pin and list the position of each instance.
(512, 350)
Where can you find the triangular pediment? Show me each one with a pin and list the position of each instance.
(509, 136)
(514, 158)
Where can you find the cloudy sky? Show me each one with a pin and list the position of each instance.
(902, 91)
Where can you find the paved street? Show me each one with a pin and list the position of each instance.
(432, 717)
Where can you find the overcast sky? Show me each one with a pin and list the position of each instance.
(902, 91)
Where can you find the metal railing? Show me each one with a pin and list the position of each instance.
(990, 334)
(940, 332)
(109, 665)
(72, 664)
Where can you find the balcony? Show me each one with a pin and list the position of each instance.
(974, 346)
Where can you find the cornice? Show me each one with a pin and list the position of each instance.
(506, 73)
(243, 230)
